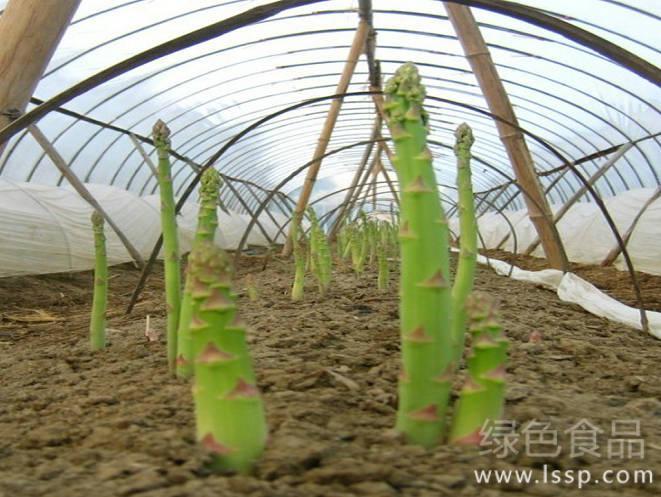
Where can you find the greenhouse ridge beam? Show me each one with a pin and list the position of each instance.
(82, 190)
(30, 31)
(498, 101)
(357, 47)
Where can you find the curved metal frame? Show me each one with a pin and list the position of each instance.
(533, 16)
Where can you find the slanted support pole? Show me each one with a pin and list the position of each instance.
(363, 183)
(248, 187)
(356, 178)
(356, 48)
(612, 255)
(249, 211)
(30, 31)
(82, 190)
(143, 153)
(386, 175)
(478, 56)
(582, 190)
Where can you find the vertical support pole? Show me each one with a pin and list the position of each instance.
(82, 190)
(356, 48)
(478, 56)
(30, 31)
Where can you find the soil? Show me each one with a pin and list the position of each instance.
(75, 423)
(609, 279)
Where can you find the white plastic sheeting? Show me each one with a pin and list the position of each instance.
(574, 289)
(584, 231)
(45, 229)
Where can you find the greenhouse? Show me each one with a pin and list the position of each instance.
(330, 248)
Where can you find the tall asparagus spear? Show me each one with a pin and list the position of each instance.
(207, 221)
(463, 283)
(229, 412)
(161, 135)
(100, 299)
(425, 303)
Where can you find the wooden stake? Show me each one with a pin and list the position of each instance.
(477, 53)
(356, 48)
(82, 190)
(581, 191)
(30, 31)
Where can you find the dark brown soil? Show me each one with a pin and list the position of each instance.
(77, 424)
(609, 279)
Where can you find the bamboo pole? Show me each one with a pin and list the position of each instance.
(363, 183)
(582, 190)
(386, 175)
(375, 174)
(30, 31)
(356, 48)
(478, 56)
(612, 255)
(356, 178)
(82, 190)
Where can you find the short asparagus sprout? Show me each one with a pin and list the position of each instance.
(100, 298)
(298, 245)
(229, 412)
(341, 242)
(251, 288)
(482, 397)
(383, 280)
(207, 222)
(347, 249)
(320, 255)
(359, 244)
(161, 135)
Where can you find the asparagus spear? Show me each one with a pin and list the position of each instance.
(229, 412)
(100, 299)
(425, 304)
(207, 221)
(161, 135)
